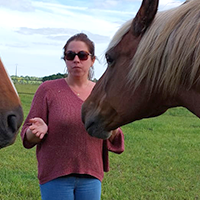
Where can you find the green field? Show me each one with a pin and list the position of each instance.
(161, 161)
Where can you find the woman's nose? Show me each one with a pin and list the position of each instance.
(76, 58)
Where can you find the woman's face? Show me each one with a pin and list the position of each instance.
(78, 67)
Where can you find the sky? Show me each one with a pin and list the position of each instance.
(33, 32)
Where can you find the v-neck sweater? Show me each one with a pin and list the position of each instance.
(67, 148)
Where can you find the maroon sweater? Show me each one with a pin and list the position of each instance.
(67, 148)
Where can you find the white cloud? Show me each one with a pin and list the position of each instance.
(167, 4)
(34, 32)
(20, 5)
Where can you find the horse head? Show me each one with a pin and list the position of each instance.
(11, 114)
(152, 66)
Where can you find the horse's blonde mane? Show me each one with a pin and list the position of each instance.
(168, 56)
(119, 34)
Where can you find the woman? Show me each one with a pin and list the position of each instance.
(71, 163)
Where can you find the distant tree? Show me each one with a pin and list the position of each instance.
(26, 79)
(38, 80)
(95, 80)
(54, 76)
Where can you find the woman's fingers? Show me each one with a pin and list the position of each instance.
(38, 127)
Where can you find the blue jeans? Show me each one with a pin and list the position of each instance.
(71, 188)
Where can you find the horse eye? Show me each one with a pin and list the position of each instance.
(109, 59)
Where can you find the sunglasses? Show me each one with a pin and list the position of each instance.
(82, 55)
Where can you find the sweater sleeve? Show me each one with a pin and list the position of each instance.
(39, 108)
(117, 145)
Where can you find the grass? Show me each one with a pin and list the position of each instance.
(18, 166)
(161, 161)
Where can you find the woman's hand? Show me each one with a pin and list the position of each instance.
(36, 131)
(38, 127)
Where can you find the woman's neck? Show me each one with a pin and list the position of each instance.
(81, 87)
(77, 82)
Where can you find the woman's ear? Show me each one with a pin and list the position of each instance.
(93, 60)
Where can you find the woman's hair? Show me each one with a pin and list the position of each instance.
(83, 38)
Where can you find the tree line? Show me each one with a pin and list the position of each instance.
(38, 80)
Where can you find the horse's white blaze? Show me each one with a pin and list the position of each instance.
(10, 80)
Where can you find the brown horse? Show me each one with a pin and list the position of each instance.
(153, 64)
(11, 114)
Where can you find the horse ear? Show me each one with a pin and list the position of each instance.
(144, 16)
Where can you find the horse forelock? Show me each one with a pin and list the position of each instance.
(167, 57)
(119, 34)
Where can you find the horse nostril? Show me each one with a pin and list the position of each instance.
(12, 123)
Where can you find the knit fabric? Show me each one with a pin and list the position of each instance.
(67, 148)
